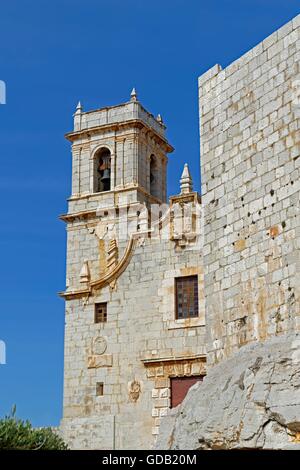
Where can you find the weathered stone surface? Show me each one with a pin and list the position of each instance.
(140, 344)
(247, 262)
(250, 146)
(251, 400)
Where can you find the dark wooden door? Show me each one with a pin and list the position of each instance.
(180, 387)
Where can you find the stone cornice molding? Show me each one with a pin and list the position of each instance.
(93, 213)
(193, 197)
(82, 215)
(75, 294)
(160, 360)
(138, 123)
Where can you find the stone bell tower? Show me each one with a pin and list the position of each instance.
(119, 165)
(119, 156)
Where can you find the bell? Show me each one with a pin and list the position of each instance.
(106, 175)
(105, 180)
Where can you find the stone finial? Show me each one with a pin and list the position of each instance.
(133, 95)
(159, 119)
(85, 272)
(78, 108)
(186, 182)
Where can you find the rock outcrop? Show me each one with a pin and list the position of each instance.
(251, 400)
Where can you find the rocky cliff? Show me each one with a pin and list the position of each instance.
(251, 400)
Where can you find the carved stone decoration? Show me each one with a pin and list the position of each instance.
(106, 233)
(134, 390)
(113, 285)
(99, 360)
(186, 182)
(185, 220)
(85, 273)
(101, 230)
(105, 230)
(121, 265)
(85, 300)
(141, 241)
(106, 278)
(99, 345)
(112, 254)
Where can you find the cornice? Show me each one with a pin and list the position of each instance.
(159, 360)
(83, 215)
(73, 136)
(74, 294)
(88, 214)
(188, 197)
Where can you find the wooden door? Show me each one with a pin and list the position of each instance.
(180, 387)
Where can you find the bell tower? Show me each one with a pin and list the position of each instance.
(119, 156)
(124, 340)
(119, 169)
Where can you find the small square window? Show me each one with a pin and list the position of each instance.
(99, 389)
(101, 312)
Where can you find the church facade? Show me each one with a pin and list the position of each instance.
(135, 316)
(157, 290)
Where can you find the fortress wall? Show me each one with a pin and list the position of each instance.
(250, 148)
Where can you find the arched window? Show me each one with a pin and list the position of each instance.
(102, 171)
(153, 176)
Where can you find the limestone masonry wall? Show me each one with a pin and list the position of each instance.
(144, 344)
(118, 370)
(245, 250)
(250, 148)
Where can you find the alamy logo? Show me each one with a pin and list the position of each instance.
(2, 92)
(2, 352)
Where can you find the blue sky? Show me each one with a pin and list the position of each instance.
(53, 53)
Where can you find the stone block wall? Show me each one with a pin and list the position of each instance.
(142, 347)
(121, 254)
(250, 161)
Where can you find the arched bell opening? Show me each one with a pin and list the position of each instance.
(102, 173)
(154, 177)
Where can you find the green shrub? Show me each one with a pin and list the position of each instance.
(16, 434)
